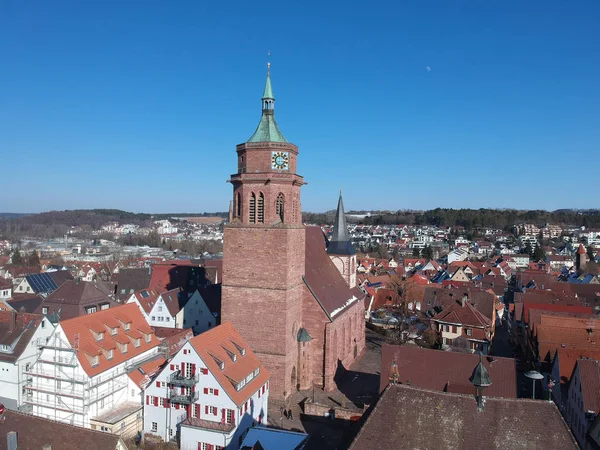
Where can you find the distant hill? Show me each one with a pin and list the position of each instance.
(471, 219)
(56, 223)
(11, 215)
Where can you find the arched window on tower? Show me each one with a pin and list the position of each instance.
(279, 206)
(238, 205)
(261, 208)
(252, 212)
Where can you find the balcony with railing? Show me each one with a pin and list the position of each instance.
(187, 399)
(177, 378)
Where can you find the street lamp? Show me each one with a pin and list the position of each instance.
(534, 375)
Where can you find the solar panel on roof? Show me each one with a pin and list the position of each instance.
(41, 282)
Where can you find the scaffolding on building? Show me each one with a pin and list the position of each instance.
(54, 375)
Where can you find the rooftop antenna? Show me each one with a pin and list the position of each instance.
(269, 62)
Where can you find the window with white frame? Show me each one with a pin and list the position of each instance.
(154, 427)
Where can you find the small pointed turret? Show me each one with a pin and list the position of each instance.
(340, 244)
(267, 130)
(480, 379)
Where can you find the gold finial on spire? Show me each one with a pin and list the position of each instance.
(268, 62)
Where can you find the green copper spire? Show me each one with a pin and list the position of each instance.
(268, 93)
(267, 130)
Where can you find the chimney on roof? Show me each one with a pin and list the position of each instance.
(480, 379)
(394, 374)
(11, 440)
(463, 301)
(12, 324)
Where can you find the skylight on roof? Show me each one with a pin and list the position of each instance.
(145, 294)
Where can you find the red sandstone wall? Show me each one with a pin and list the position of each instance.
(262, 295)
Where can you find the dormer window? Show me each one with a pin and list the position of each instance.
(123, 348)
(110, 354)
(232, 355)
(240, 349)
(100, 336)
(95, 361)
(127, 326)
(137, 342)
(147, 337)
(114, 331)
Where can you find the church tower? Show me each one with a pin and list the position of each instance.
(340, 248)
(263, 254)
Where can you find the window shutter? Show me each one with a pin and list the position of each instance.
(223, 415)
(158, 384)
(215, 411)
(193, 388)
(155, 401)
(166, 403)
(193, 369)
(454, 328)
(205, 409)
(172, 366)
(206, 390)
(176, 405)
(182, 368)
(216, 392)
(182, 390)
(147, 399)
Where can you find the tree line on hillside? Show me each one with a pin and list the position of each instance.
(470, 219)
(54, 224)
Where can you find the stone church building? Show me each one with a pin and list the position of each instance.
(288, 291)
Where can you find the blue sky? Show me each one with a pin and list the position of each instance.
(138, 105)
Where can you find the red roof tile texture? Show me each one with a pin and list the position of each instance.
(223, 344)
(82, 331)
(450, 371)
(323, 279)
(34, 432)
(406, 417)
(589, 374)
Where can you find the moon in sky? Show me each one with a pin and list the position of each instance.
(428, 69)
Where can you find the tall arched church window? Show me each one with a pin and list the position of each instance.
(252, 215)
(261, 208)
(279, 206)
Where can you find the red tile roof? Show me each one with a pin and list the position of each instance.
(220, 344)
(35, 432)
(567, 358)
(589, 374)
(142, 375)
(322, 278)
(465, 314)
(550, 338)
(406, 417)
(79, 333)
(446, 371)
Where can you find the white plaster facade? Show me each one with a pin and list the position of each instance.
(194, 314)
(61, 390)
(13, 374)
(186, 388)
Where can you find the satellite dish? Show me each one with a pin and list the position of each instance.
(534, 375)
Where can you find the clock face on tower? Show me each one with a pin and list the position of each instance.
(280, 160)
